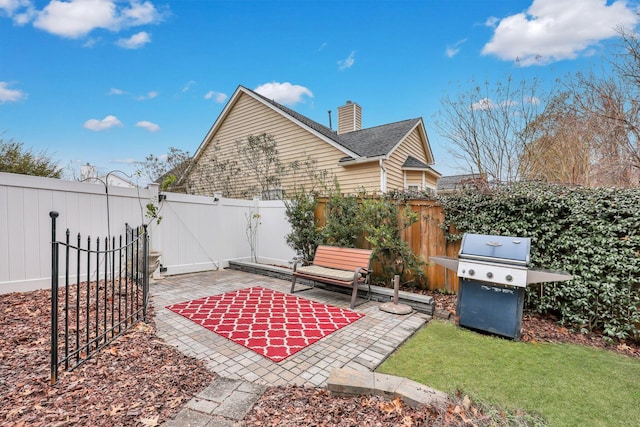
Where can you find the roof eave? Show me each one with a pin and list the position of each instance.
(360, 160)
(427, 143)
(435, 172)
(427, 169)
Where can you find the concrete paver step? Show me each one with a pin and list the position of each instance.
(349, 382)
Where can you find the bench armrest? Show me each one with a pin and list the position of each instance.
(296, 261)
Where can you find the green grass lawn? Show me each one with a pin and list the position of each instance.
(567, 385)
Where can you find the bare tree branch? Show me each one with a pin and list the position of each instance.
(486, 126)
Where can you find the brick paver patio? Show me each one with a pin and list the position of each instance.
(362, 345)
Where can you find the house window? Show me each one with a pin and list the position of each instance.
(273, 194)
(413, 187)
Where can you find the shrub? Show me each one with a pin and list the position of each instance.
(14, 158)
(305, 234)
(382, 221)
(342, 226)
(592, 233)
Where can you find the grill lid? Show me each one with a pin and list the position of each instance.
(506, 249)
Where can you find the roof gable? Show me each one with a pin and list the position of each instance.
(413, 163)
(371, 143)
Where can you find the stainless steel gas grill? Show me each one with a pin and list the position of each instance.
(493, 275)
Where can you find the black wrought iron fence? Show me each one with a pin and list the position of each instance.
(98, 292)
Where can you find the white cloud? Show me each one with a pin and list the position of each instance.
(218, 97)
(188, 86)
(348, 62)
(553, 30)
(77, 18)
(10, 95)
(483, 104)
(453, 50)
(450, 52)
(491, 21)
(488, 104)
(115, 91)
(136, 41)
(150, 95)
(91, 41)
(107, 123)
(127, 161)
(140, 14)
(284, 93)
(151, 127)
(21, 11)
(16, 8)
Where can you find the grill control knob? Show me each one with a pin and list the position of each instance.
(471, 272)
(489, 275)
(509, 278)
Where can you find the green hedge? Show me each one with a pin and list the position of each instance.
(592, 233)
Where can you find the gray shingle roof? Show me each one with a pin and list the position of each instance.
(370, 142)
(412, 162)
(453, 182)
(379, 140)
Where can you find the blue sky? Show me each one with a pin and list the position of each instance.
(108, 82)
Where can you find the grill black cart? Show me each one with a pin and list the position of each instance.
(493, 275)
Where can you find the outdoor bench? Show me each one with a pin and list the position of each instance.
(337, 266)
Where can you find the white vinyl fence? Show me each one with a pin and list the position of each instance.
(196, 233)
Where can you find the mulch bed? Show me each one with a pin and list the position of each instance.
(138, 380)
(545, 328)
(293, 406)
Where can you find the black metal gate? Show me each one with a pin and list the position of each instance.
(104, 292)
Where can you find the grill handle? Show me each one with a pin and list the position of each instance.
(494, 244)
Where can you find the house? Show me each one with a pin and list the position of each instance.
(456, 183)
(377, 159)
(88, 173)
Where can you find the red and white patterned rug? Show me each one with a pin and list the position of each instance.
(273, 324)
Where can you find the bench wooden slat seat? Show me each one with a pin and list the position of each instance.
(338, 266)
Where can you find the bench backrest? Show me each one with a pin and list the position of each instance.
(342, 258)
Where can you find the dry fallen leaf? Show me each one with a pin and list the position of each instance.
(390, 407)
(407, 422)
(460, 412)
(150, 422)
(174, 403)
(623, 347)
(142, 327)
(114, 409)
(112, 350)
(466, 402)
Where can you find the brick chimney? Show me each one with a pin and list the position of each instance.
(349, 117)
